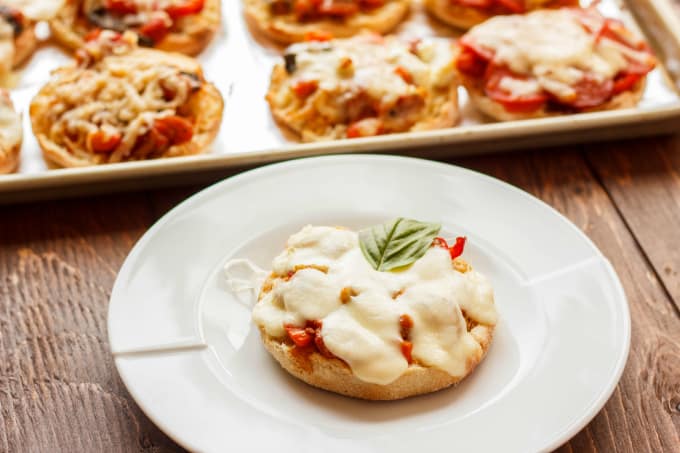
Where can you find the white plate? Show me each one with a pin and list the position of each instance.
(191, 358)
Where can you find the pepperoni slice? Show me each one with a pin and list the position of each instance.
(479, 4)
(187, 8)
(484, 54)
(513, 103)
(514, 6)
(591, 92)
(625, 82)
(470, 63)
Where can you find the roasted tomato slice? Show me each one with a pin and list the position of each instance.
(370, 4)
(304, 88)
(101, 142)
(513, 103)
(514, 6)
(186, 8)
(625, 82)
(175, 128)
(407, 351)
(155, 29)
(340, 8)
(470, 63)
(591, 92)
(480, 4)
(484, 54)
(121, 7)
(318, 35)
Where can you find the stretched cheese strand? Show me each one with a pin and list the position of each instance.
(365, 332)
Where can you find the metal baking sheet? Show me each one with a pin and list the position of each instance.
(239, 62)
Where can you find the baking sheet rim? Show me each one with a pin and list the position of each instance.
(468, 135)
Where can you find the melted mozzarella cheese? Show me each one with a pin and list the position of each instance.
(374, 64)
(365, 332)
(553, 46)
(520, 87)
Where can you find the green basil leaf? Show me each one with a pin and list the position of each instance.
(397, 243)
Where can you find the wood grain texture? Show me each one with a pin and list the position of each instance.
(59, 390)
(643, 179)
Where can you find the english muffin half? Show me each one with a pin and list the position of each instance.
(122, 103)
(337, 322)
(364, 86)
(552, 62)
(184, 26)
(289, 21)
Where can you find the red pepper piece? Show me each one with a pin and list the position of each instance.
(299, 335)
(457, 249)
(406, 350)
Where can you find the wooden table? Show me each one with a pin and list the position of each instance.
(59, 390)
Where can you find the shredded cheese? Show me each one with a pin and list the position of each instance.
(119, 94)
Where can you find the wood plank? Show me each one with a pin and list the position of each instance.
(643, 413)
(59, 389)
(643, 179)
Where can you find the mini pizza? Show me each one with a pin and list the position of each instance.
(17, 38)
(184, 26)
(291, 21)
(552, 62)
(468, 13)
(11, 134)
(122, 103)
(365, 86)
(339, 321)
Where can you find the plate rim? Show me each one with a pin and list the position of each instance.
(566, 434)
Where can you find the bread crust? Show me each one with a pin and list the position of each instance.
(206, 105)
(9, 158)
(495, 110)
(441, 111)
(465, 17)
(334, 375)
(189, 35)
(286, 29)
